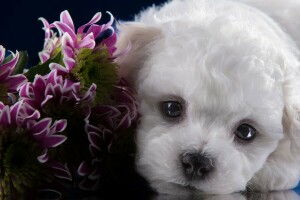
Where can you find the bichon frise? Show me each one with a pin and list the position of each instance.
(219, 88)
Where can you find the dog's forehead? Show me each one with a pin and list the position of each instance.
(211, 71)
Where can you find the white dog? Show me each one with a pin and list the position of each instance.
(219, 89)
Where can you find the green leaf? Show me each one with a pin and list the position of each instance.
(42, 68)
(7, 59)
(22, 62)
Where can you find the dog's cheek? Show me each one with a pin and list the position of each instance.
(157, 158)
(231, 167)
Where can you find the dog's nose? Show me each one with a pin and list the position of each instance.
(196, 165)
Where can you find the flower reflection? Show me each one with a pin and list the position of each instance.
(280, 195)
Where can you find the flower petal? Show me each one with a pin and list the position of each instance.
(44, 156)
(69, 85)
(110, 43)
(1, 105)
(60, 170)
(39, 83)
(68, 51)
(4, 73)
(5, 118)
(96, 173)
(41, 125)
(59, 126)
(65, 29)
(67, 40)
(95, 29)
(53, 140)
(89, 96)
(88, 42)
(15, 109)
(44, 56)
(69, 63)
(46, 27)
(83, 169)
(66, 18)
(61, 70)
(2, 53)
(10, 65)
(44, 21)
(29, 112)
(39, 136)
(24, 91)
(14, 82)
(47, 98)
(111, 21)
(95, 139)
(124, 123)
(91, 128)
(94, 20)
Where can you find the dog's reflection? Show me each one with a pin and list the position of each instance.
(284, 195)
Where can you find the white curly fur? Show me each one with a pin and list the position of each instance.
(230, 61)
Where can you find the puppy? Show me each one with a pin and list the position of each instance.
(219, 88)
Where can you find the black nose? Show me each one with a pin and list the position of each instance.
(196, 165)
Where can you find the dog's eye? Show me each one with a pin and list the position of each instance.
(245, 132)
(171, 109)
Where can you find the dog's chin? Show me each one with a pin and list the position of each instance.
(173, 188)
(191, 188)
(197, 187)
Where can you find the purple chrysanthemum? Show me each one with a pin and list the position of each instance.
(82, 88)
(56, 96)
(86, 53)
(73, 41)
(108, 120)
(70, 41)
(24, 143)
(123, 112)
(100, 140)
(60, 98)
(51, 43)
(9, 82)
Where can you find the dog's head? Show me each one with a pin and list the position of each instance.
(218, 97)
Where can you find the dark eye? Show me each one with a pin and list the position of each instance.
(171, 109)
(245, 132)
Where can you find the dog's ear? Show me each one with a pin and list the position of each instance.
(285, 160)
(291, 125)
(282, 168)
(137, 38)
(291, 114)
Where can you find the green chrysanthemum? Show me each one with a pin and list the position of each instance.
(19, 167)
(3, 94)
(96, 66)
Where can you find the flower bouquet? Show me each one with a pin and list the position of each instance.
(65, 122)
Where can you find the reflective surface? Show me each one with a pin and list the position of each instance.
(284, 195)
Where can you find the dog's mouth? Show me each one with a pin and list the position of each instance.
(190, 187)
(247, 193)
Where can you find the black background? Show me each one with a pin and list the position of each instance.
(21, 30)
